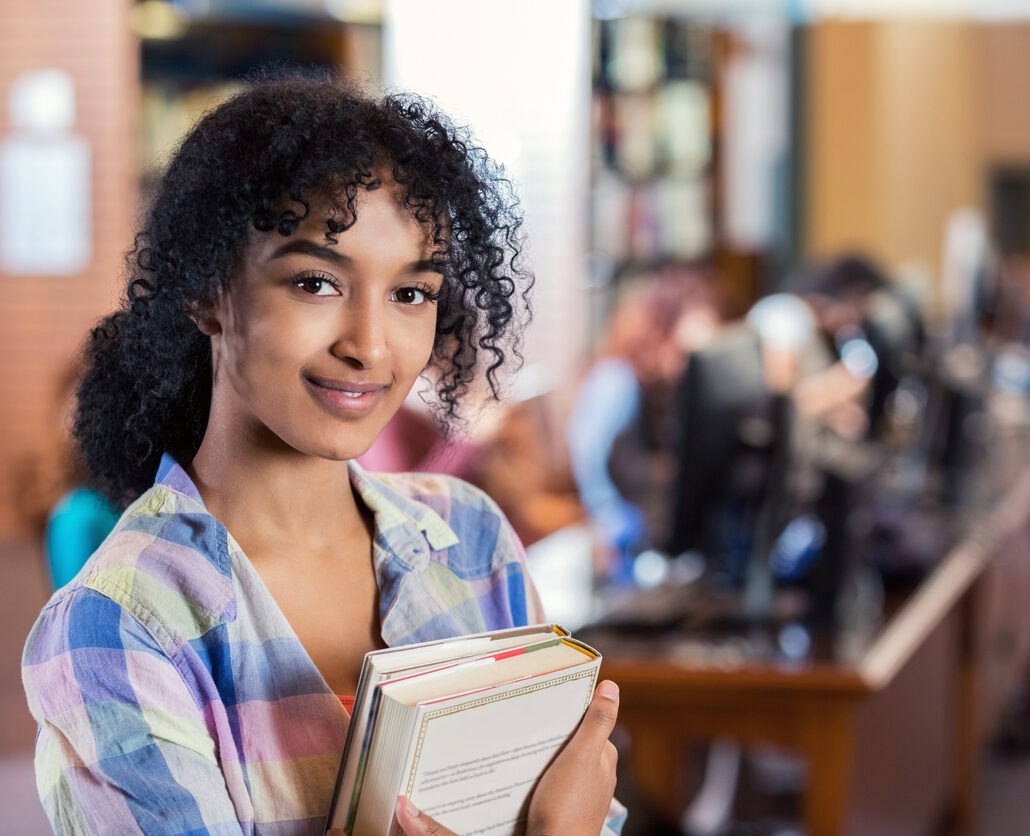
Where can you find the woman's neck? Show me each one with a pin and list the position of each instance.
(277, 501)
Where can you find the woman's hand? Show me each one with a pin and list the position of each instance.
(414, 823)
(575, 792)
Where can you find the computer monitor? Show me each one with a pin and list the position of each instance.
(730, 428)
(894, 330)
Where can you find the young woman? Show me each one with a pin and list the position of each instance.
(310, 253)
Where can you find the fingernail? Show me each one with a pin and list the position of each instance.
(410, 808)
(609, 690)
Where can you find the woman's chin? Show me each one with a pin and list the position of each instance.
(344, 452)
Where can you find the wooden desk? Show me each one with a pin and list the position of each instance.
(892, 740)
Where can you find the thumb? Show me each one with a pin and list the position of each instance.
(414, 823)
(603, 710)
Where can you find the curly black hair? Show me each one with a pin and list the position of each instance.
(257, 162)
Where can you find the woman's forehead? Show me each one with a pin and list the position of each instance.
(334, 208)
(328, 222)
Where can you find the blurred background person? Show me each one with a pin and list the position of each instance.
(836, 341)
(618, 432)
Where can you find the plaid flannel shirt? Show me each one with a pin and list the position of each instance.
(173, 697)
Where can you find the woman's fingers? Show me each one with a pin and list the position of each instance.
(415, 823)
(601, 714)
(574, 794)
(589, 747)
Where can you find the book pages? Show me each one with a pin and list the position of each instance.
(474, 764)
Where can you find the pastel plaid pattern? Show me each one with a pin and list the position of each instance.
(174, 698)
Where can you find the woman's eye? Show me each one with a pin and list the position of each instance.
(415, 295)
(316, 286)
(410, 296)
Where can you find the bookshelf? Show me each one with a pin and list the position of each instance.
(653, 157)
(205, 62)
(663, 85)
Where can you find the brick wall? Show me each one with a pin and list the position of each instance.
(43, 319)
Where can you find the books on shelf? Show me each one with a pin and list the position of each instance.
(463, 727)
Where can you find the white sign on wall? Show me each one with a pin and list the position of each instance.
(45, 218)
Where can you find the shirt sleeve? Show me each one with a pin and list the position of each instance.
(615, 820)
(507, 558)
(530, 603)
(125, 742)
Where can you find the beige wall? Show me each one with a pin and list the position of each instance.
(840, 166)
(893, 136)
(927, 133)
(43, 319)
(1002, 52)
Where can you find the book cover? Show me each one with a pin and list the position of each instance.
(462, 728)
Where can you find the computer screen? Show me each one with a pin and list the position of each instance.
(728, 433)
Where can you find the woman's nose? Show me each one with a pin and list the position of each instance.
(361, 340)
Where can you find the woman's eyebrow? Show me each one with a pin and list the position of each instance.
(425, 265)
(302, 246)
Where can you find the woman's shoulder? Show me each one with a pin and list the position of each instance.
(439, 491)
(454, 513)
(165, 563)
(464, 509)
(477, 580)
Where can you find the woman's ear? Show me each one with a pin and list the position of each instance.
(205, 317)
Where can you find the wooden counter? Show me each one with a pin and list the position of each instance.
(892, 740)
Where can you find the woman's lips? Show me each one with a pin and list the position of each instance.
(346, 397)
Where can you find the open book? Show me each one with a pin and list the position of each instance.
(463, 727)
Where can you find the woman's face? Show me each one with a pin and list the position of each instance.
(316, 345)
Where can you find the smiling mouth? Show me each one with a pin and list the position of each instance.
(344, 397)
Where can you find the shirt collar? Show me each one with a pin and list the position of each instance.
(171, 475)
(407, 528)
